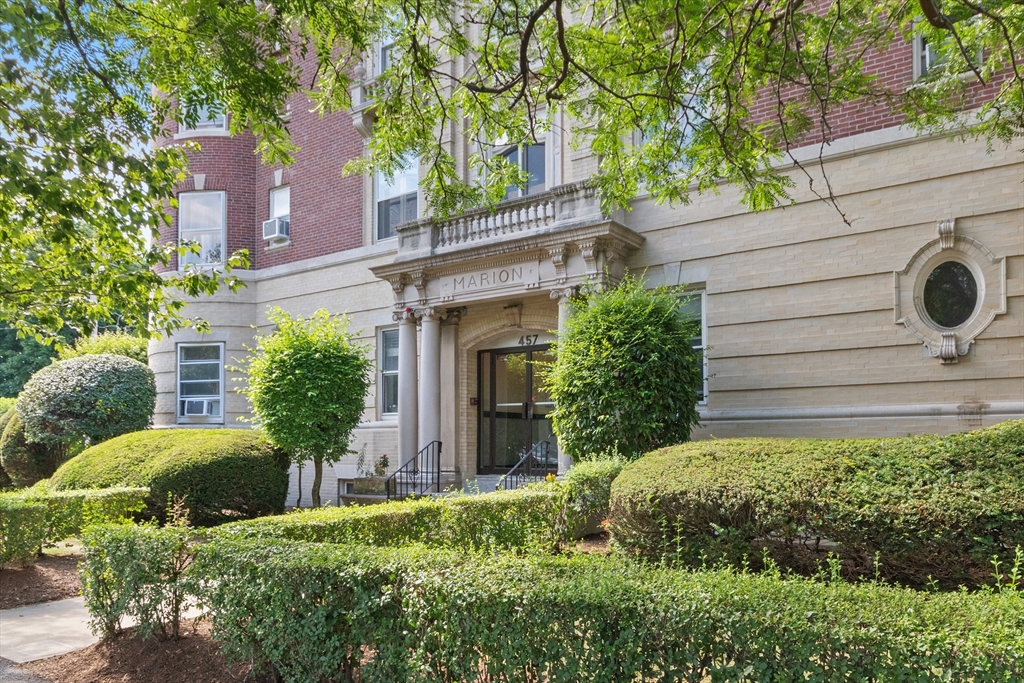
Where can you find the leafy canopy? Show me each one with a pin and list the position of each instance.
(307, 384)
(625, 378)
(82, 188)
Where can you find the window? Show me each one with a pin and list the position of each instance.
(281, 202)
(950, 294)
(396, 199)
(928, 59)
(532, 159)
(200, 382)
(201, 222)
(693, 309)
(388, 387)
(206, 121)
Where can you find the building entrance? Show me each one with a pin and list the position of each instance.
(514, 407)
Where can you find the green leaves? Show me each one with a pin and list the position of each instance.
(625, 379)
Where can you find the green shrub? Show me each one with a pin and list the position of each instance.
(88, 398)
(5, 417)
(927, 508)
(506, 520)
(22, 529)
(63, 514)
(115, 343)
(626, 377)
(588, 485)
(224, 474)
(385, 614)
(7, 404)
(26, 463)
(138, 572)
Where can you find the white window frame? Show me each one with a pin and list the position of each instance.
(923, 51)
(378, 180)
(270, 198)
(223, 228)
(197, 419)
(502, 150)
(701, 295)
(381, 374)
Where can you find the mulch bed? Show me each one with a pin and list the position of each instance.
(51, 577)
(596, 544)
(129, 659)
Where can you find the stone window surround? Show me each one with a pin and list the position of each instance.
(989, 272)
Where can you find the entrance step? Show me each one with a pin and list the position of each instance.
(481, 483)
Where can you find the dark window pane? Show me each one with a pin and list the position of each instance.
(209, 352)
(194, 371)
(385, 229)
(950, 294)
(535, 167)
(200, 388)
(395, 213)
(389, 393)
(513, 158)
(389, 351)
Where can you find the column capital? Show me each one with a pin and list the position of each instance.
(430, 313)
(453, 316)
(404, 315)
(564, 293)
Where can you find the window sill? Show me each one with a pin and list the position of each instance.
(212, 133)
(200, 421)
(274, 246)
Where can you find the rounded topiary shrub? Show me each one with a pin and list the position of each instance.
(626, 377)
(89, 398)
(223, 474)
(25, 463)
(912, 509)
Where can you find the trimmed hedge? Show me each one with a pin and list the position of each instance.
(23, 462)
(311, 612)
(115, 343)
(6, 413)
(224, 474)
(926, 508)
(30, 518)
(505, 520)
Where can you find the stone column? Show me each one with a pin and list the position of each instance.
(430, 376)
(564, 312)
(451, 402)
(407, 393)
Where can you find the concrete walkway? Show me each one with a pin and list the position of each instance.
(10, 673)
(44, 630)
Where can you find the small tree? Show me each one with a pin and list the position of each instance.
(88, 398)
(625, 378)
(307, 384)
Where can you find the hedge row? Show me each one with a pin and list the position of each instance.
(223, 474)
(328, 612)
(500, 520)
(913, 509)
(30, 518)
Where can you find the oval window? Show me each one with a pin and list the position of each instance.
(950, 294)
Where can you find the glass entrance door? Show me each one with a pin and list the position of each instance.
(513, 406)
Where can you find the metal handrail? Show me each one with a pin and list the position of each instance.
(418, 475)
(533, 466)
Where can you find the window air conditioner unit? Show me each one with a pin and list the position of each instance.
(276, 229)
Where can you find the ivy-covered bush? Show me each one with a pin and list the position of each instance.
(116, 343)
(912, 509)
(503, 520)
(386, 614)
(22, 529)
(625, 378)
(223, 474)
(35, 516)
(25, 463)
(88, 398)
(138, 572)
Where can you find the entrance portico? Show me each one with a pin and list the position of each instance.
(508, 275)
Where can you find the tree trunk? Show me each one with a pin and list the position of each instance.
(318, 476)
